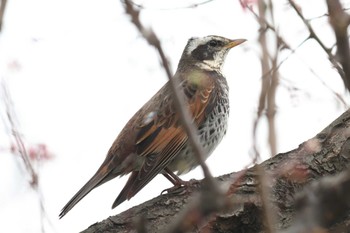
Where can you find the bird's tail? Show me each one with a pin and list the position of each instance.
(102, 175)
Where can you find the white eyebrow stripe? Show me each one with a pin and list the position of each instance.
(194, 42)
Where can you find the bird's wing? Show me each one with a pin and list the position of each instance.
(152, 166)
(162, 137)
(163, 126)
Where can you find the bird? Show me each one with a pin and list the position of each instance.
(153, 141)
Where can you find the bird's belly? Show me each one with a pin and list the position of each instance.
(211, 133)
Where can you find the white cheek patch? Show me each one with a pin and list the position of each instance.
(214, 64)
(210, 64)
(204, 66)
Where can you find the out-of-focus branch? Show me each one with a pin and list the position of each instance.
(193, 5)
(266, 105)
(203, 207)
(269, 78)
(264, 24)
(271, 94)
(322, 205)
(285, 45)
(340, 22)
(325, 15)
(266, 102)
(337, 95)
(314, 36)
(2, 12)
(149, 36)
(20, 147)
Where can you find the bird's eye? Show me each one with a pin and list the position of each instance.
(213, 43)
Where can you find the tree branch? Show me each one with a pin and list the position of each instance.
(314, 36)
(289, 173)
(340, 22)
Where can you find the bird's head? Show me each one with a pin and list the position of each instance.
(207, 52)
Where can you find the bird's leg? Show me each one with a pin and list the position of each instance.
(172, 177)
(179, 185)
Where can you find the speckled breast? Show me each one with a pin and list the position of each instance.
(210, 132)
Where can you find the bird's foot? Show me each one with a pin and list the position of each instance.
(181, 187)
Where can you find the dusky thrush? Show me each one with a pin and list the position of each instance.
(153, 141)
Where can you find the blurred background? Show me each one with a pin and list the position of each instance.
(73, 73)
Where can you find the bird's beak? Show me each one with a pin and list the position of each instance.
(234, 43)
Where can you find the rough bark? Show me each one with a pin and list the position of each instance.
(309, 192)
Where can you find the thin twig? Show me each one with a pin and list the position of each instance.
(21, 149)
(314, 36)
(194, 5)
(325, 15)
(264, 24)
(284, 44)
(281, 62)
(337, 95)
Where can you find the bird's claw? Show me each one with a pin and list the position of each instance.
(180, 188)
(176, 189)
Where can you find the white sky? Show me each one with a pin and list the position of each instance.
(85, 70)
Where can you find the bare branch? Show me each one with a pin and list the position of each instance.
(314, 36)
(325, 15)
(340, 22)
(269, 77)
(20, 147)
(267, 102)
(284, 44)
(337, 95)
(194, 5)
(271, 95)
